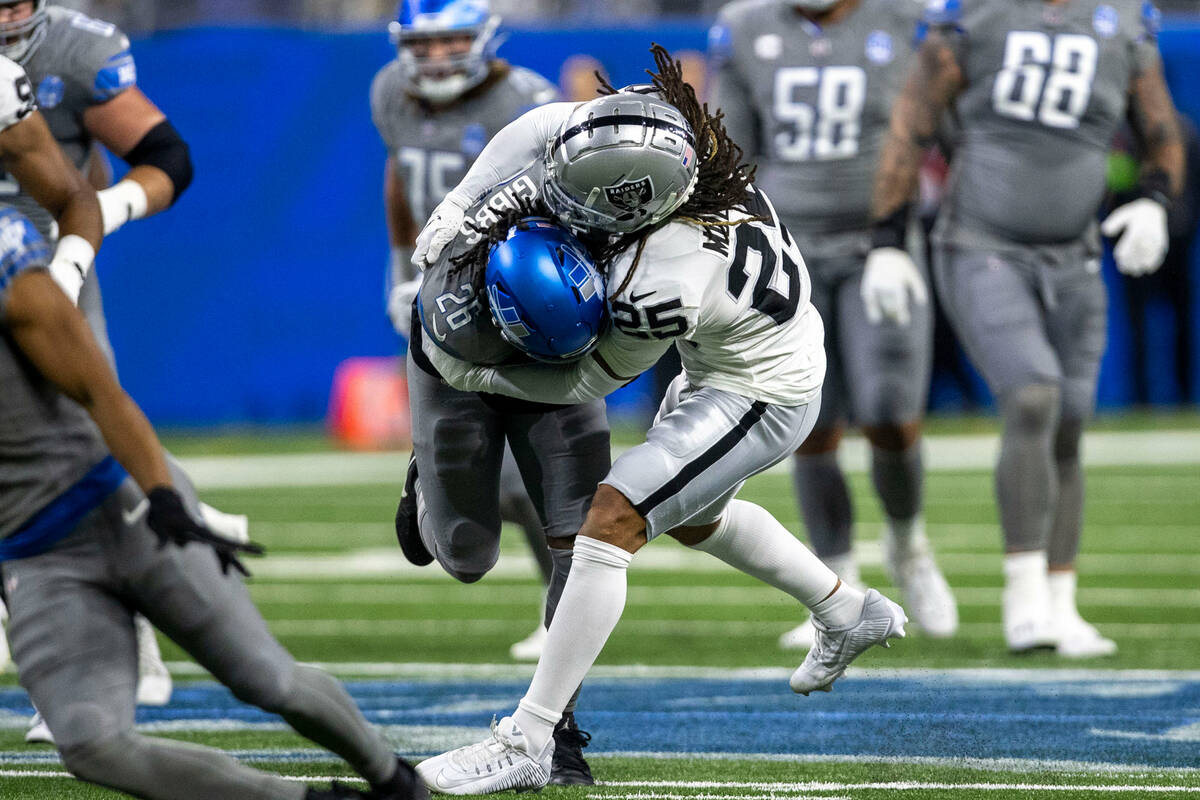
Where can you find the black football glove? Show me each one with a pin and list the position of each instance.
(172, 524)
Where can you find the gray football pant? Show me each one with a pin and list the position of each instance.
(459, 443)
(875, 375)
(1033, 321)
(72, 637)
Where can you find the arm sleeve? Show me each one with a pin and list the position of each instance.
(509, 151)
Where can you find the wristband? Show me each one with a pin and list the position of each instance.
(121, 203)
(72, 259)
(1156, 185)
(892, 230)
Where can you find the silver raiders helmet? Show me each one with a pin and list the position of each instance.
(619, 163)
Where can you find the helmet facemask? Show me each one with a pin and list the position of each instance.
(466, 48)
(19, 38)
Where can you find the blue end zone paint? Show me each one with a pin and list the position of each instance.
(1099, 720)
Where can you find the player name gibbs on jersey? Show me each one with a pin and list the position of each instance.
(508, 197)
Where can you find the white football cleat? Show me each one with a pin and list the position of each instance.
(800, 637)
(154, 681)
(1079, 639)
(499, 763)
(880, 620)
(1028, 623)
(1074, 636)
(39, 732)
(529, 648)
(234, 527)
(923, 588)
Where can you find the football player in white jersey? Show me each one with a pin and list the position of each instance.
(695, 256)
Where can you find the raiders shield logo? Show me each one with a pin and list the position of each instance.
(630, 195)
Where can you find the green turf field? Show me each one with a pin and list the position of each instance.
(334, 590)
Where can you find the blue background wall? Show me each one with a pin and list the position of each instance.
(237, 305)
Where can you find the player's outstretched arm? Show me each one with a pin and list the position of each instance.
(518, 143)
(55, 337)
(616, 361)
(34, 159)
(133, 128)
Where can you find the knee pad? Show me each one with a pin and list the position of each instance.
(1031, 410)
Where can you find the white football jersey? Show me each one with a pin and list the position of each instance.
(16, 94)
(734, 298)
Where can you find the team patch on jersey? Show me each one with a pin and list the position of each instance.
(720, 43)
(118, 74)
(769, 46)
(630, 195)
(50, 91)
(879, 47)
(1106, 21)
(474, 139)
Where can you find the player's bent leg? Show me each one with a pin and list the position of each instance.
(210, 615)
(516, 507)
(519, 752)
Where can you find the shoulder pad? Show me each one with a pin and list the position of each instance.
(16, 94)
(720, 42)
(1151, 20)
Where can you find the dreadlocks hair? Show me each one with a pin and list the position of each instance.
(473, 262)
(722, 180)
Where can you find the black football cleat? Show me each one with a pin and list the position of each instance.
(405, 784)
(406, 520)
(568, 767)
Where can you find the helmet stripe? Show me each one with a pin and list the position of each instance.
(622, 119)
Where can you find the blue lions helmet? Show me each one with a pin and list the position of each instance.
(545, 292)
(444, 46)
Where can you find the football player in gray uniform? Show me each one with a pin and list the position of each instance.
(806, 87)
(1038, 86)
(435, 106)
(695, 257)
(92, 527)
(84, 78)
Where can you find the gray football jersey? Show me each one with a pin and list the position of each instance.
(432, 148)
(452, 311)
(80, 63)
(47, 441)
(1045, 87)
(810, 105)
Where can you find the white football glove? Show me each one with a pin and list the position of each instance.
(71, 263)
(888, 278)
(444, 224)
(399, 305)
(1141, 226)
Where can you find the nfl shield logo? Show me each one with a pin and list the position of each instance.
(630, 195)
(879, 47)
(50, 91)
(1106, 21)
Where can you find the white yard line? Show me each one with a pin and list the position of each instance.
(978, 452)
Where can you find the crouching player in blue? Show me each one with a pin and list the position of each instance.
(93, 530)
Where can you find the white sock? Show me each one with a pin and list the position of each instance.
(845, 567)
(1062, 596)
(591, 604)
(751, 540)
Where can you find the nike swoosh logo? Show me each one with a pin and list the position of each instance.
(131, 516)
(637, 298)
